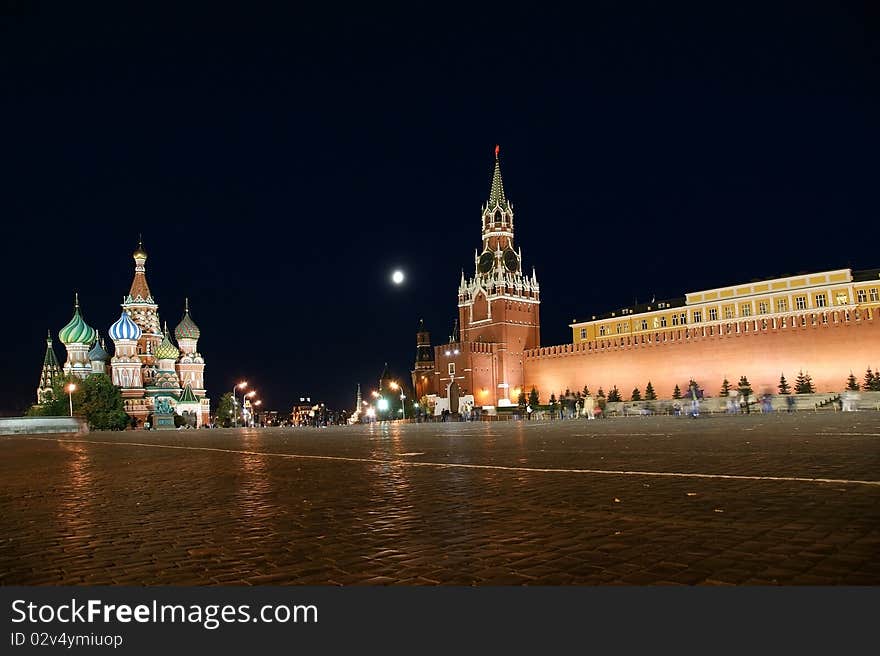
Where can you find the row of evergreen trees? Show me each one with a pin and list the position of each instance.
(803, 385)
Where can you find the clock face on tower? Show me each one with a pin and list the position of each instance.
(511, 261)
(486, 261)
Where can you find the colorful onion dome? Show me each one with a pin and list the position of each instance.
(187, 328)
(167, 350)
(98, 354)
(77, 331)
(125, 328)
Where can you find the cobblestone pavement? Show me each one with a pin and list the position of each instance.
(574, 502)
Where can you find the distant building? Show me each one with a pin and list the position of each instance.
(300, 415)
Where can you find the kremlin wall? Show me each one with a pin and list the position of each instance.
(827, 345)
(825, 324)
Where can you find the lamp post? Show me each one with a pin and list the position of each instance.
(396, 386)
(244, 404)
(241, 385)
(255, 404)
(71, 388)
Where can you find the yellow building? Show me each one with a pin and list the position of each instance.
(773, 301)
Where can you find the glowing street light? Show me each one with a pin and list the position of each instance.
(71, 388)
(244, 409)
(256, 403)
(241, 385)
(396, 386)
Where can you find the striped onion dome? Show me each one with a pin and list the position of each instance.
(98, 354)
(187, 328)
(125, 328)
(167, 350)
(77, 331)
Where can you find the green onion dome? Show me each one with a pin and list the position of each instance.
(98, 354)
(187, 328)
(167, 350)
(77, 331)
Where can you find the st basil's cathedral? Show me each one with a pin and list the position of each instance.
(151, 371)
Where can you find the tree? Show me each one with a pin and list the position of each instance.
(227, 410)
(745, 390)
(784, 387)
(725, 388)
(552, 402)
(650, 394)
(58, 404)
(601, 393)
(851, 383)
(636, 395)
(522, 400)
(586, 391)
(614, 395)
(96, 399)
(871, 378)
(533, 398)
(101, 403)
(676, 393)
(803, 384)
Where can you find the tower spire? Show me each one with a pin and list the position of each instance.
(140, 290)
(496, 193)
(50, 373)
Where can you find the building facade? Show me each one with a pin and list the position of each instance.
(146, 364)
(824, 324)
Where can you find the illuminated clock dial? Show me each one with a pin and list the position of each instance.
(486, 261)
(511, 261)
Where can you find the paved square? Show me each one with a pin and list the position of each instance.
(760, 499)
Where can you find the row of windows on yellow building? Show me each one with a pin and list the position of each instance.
(812, 292)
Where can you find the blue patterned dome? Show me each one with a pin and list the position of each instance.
(125, 328)
(98, 354)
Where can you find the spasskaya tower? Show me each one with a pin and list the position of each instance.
(498, 318)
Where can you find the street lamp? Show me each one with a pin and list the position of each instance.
(241, 385)
(244, 398)
(255, 404)
(71, 388)
(395, 386)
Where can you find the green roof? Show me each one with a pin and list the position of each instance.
(188, 396)
(77, 331)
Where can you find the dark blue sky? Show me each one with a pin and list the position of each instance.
(280, 165)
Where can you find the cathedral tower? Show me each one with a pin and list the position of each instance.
(50, 374)
(191, 366)
(144, 311)
(77, 337)
(126, 366)
(98, 357)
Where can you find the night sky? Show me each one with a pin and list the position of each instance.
(281, 165)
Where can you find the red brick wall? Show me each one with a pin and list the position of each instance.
(827, 352)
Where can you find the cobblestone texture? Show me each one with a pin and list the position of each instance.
(398, 504)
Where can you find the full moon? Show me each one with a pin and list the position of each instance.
(397, 277)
